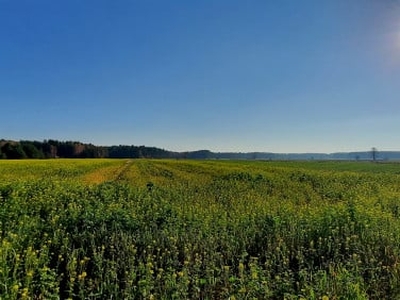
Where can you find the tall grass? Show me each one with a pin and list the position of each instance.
(200, 230)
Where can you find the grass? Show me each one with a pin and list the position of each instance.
(168, 229)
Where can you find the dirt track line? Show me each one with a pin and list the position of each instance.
(122, 171)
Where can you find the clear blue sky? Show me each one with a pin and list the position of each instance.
(224, 75)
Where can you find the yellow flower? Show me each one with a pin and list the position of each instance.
(82, 276)
(24, 294)
(254, 275)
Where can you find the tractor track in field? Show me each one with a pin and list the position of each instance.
(120, 174)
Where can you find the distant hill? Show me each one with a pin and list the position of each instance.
(72, 149)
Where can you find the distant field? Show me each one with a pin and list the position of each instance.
(179, 229)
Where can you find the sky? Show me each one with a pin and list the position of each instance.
(225, 75)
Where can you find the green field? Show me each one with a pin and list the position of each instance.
(179, 229)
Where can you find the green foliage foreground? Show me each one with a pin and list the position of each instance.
(203, 230)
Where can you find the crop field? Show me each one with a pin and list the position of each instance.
(180, 229)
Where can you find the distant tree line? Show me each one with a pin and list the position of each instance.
(72, 149)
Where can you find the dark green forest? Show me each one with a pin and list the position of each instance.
(73, 149)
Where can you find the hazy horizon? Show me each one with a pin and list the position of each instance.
(204, 149)
(226, 76)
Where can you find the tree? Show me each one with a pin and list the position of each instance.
(374, 153)
(13, 151)
(31, 151)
